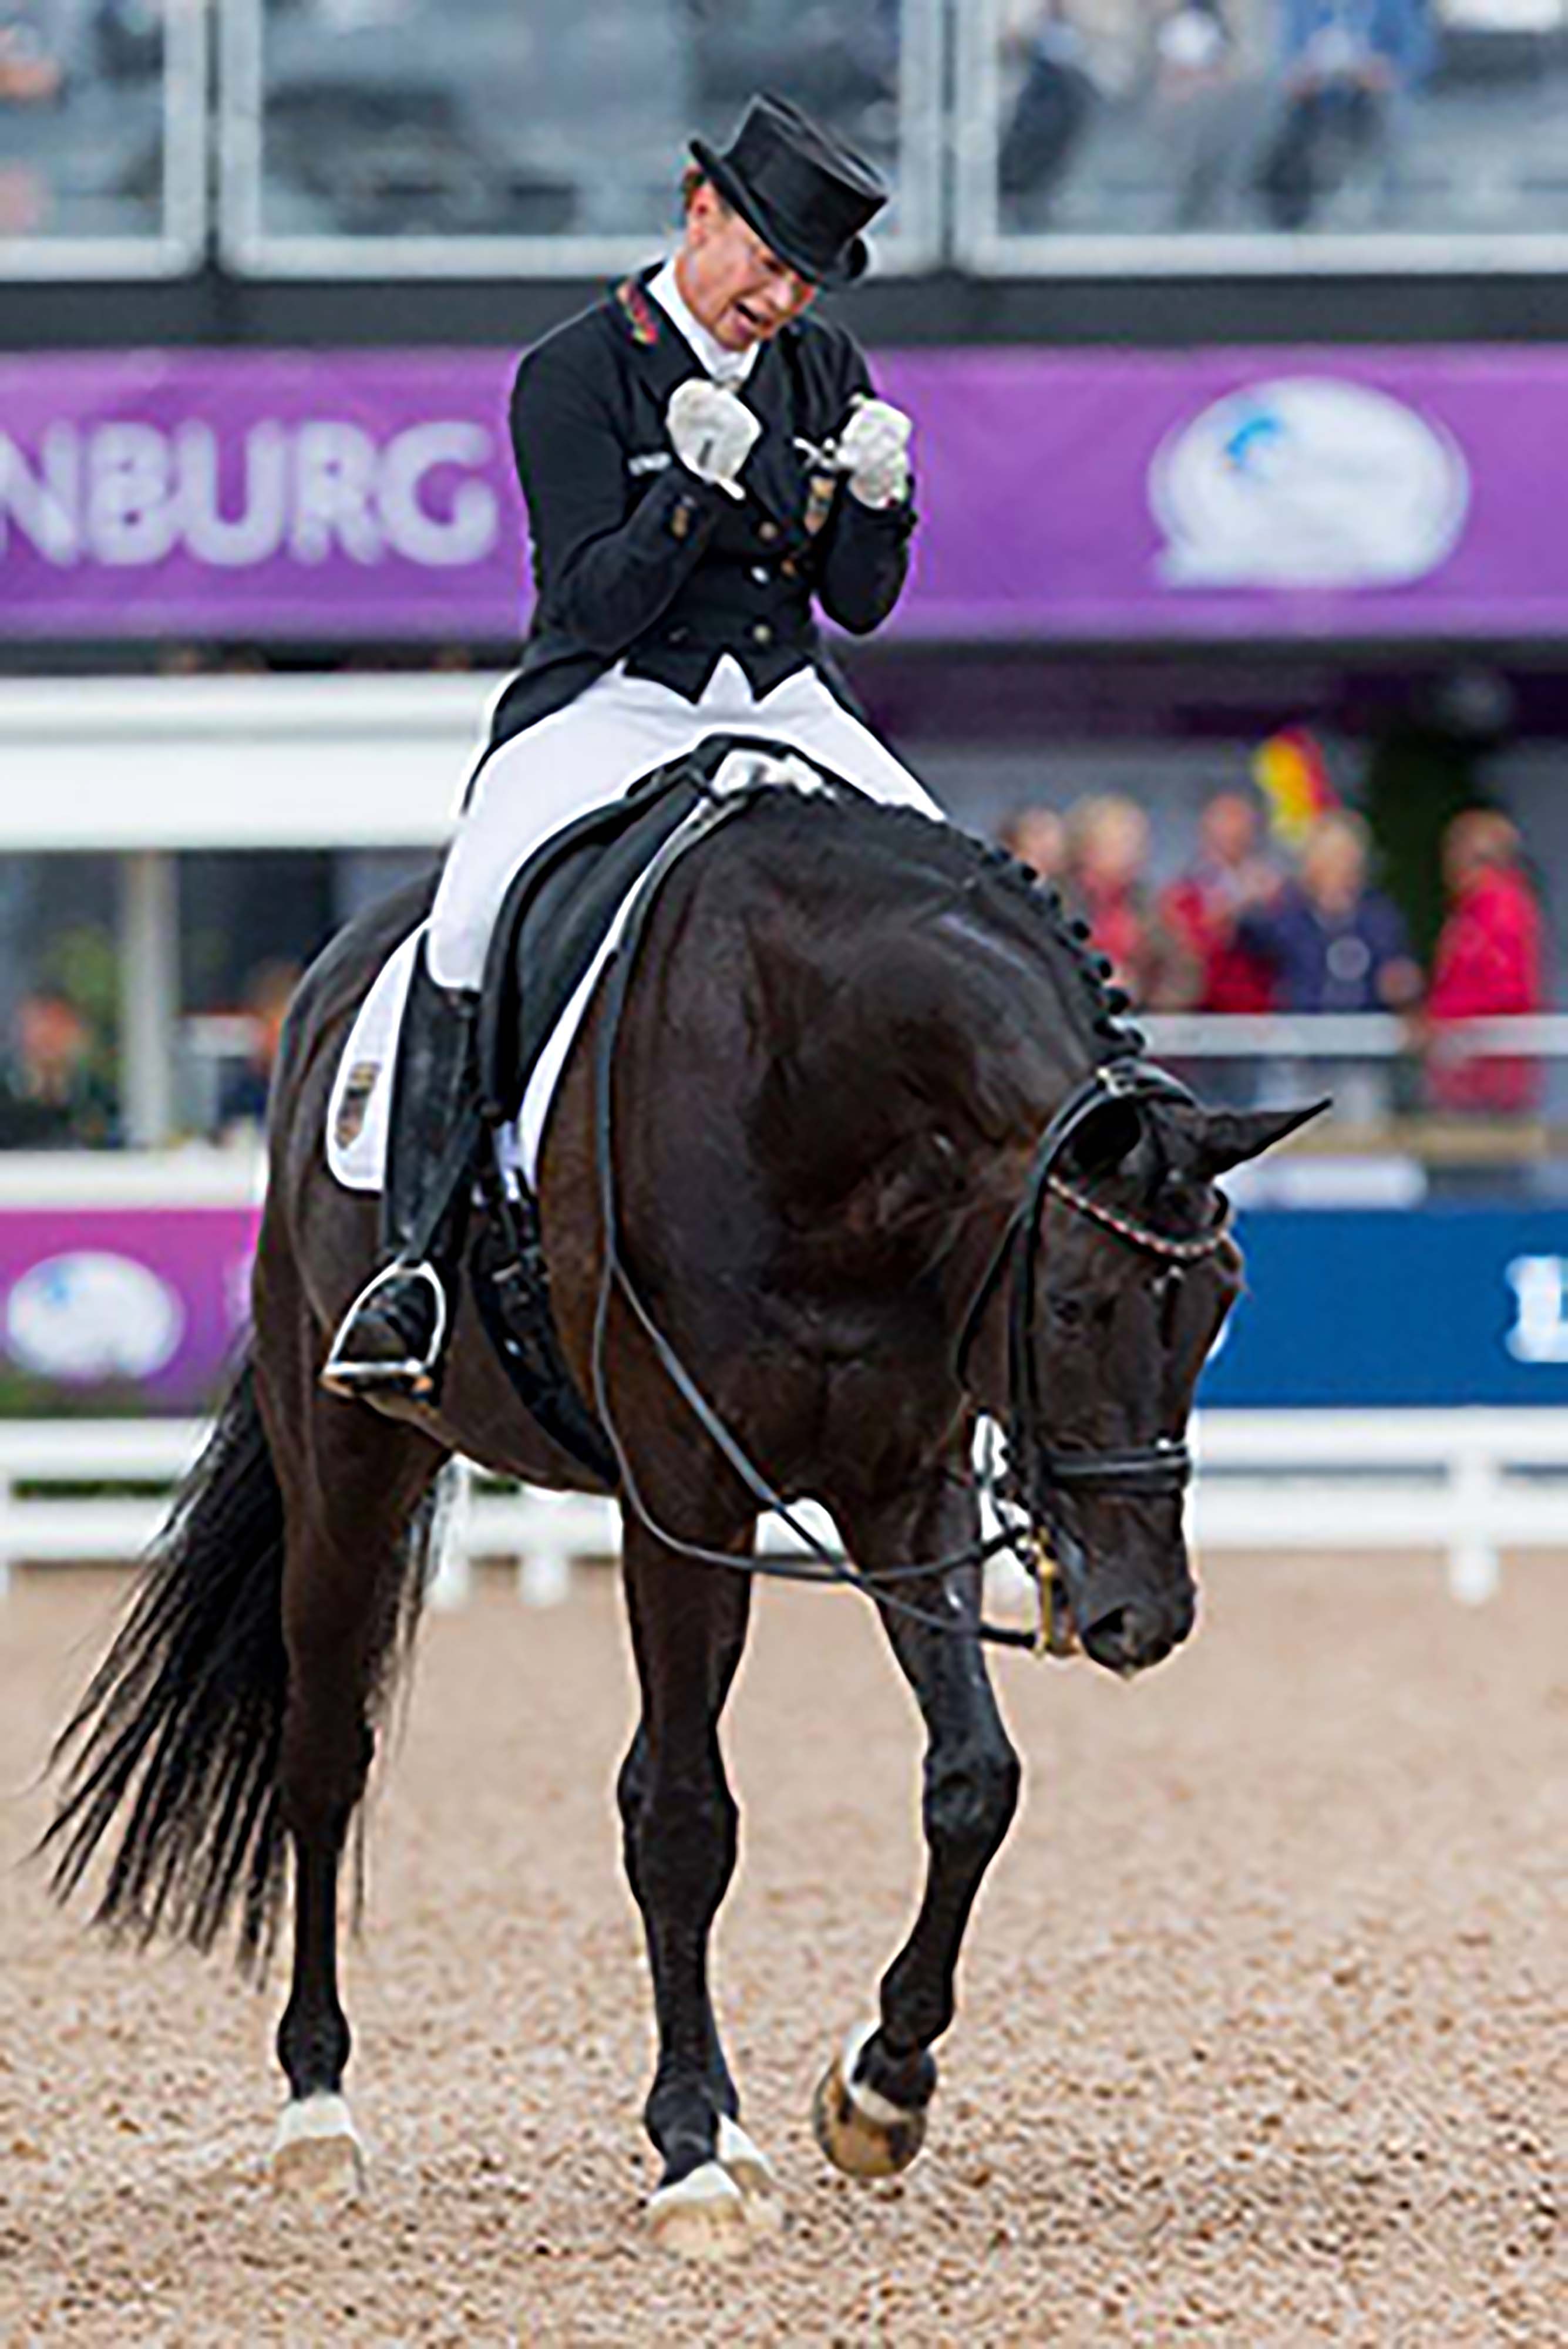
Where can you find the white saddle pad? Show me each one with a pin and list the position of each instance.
(359, 1112)
(359, 1116)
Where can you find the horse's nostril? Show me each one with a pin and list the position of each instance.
(1129, 1639)
(1105, 1639)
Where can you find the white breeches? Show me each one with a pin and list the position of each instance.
(592, 751)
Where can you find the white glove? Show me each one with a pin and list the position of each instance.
(713, 431)
(874, 450)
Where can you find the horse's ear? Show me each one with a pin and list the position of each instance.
(1203, 1144)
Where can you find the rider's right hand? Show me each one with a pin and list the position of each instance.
(713, 431)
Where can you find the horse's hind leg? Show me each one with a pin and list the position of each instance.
(353, 1487)
(688, 1628)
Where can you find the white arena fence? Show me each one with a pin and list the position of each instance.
(1467, 1484)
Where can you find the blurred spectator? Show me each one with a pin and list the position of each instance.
(1056, 102)
(1107, 841)
(1038, 838)
(1489, 962)
(181, 659)
(56, 1092)
(128, 38)
(82, 118)
(32, 90)
(1203, 908)
(269, 990)
(1203, 111)
(1334, 943)
(1348, 66)
(31, 72)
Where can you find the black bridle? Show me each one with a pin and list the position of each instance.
(1163, 1467)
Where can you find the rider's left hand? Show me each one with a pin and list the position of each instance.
(874, 450)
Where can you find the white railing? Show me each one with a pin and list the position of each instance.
(44, 1517)
(1347, 1036)
(1467, 1484)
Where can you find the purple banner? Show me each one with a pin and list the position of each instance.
(1283, 493)
(100, 1306)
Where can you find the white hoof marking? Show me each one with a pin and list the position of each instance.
(701, 2216)
(316, 2149)
(753, 2172)
(877, 2108)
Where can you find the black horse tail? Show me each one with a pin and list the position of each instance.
(180, 1727)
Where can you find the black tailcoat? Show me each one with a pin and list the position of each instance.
(635, 559)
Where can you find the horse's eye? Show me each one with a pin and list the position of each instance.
(1066, 1313)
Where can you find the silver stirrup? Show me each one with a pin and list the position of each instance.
(340, 1375)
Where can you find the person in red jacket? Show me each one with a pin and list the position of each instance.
(1203, 907)
(1107, 859)
(1489, 962)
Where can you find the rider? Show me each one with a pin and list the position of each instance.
(701, 460)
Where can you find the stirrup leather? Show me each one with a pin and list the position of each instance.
(415, 1375)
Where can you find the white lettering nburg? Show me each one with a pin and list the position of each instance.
(128, 494)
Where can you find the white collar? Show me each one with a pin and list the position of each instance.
(724, 367)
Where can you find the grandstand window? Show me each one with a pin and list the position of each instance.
(1266, 135)
(103, 136)
(541, 137)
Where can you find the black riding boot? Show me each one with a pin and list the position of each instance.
(394, 1334)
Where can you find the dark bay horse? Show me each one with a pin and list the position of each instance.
(845, 1036)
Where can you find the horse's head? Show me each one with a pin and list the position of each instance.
(1122, 1272)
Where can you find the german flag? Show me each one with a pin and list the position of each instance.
(1289, 772)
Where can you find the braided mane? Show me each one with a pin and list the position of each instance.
(904, 837)
(1066, 932)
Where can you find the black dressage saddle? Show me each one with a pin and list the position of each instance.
(553, 921)
(555, 916)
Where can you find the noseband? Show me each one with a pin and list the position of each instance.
(1163, 1467)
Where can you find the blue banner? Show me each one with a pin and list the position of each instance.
(1432, 1307)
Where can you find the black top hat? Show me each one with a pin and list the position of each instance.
(806, 196)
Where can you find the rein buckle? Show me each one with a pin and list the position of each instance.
(1054, 1631)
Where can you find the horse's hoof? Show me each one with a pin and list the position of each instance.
(748, 2167)
(863, 2133)
(316, 2156)
(702, 2217)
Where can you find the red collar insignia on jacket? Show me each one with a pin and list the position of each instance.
(640, 315)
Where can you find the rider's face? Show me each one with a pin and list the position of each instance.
(730, 281)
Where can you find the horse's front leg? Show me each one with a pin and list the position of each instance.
(747, 2164)
(688, 1628)
(870, 2109)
